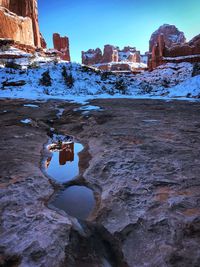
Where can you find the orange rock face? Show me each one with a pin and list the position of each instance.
(61, 44)
(170, 47)
(110, 54)
(21, 8)
(16, 28)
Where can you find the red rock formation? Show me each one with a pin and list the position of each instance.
(171, 36)
(61, 44)
(110, 54)
(129, 54)
(15, 28)
(91, 57)
(162, 50)
(43, 42)
(66, 154)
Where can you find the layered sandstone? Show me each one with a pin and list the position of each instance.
(171, 36)
(17, 28)
(129, 54)
(165, 47)
(25, 20)
(111, 54)
(92, 57)
(61, 44)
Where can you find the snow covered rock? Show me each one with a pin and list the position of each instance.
(171, 36)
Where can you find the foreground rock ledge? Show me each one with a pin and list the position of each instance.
(145, 164)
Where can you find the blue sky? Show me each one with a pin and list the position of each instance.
(94, 23)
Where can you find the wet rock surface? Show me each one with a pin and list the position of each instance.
(141, 158)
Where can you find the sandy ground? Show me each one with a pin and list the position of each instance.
(141, 159)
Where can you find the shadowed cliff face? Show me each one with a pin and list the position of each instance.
(24, 8)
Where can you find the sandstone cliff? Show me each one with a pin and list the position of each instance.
(110, 54)
(168, 45)
(171, 36)
(25, 20)
(92, 57)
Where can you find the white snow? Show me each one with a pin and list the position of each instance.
(31, 106)
(172, 80)
(14, 51)
(181, 57)
(26, 121)
(189, 88)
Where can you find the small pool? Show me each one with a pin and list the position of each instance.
(77, 201)
(63, 165)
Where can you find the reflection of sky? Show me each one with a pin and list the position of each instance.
(77, 201)
(91, 23)
(64, 173)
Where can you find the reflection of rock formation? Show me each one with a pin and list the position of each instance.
(66, 154)
(48, 162)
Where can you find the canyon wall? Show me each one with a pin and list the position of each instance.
(22, 26)
(16, 28)
(168, 45)
(61, 44)
(110, 54)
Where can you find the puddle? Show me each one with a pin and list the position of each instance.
(88, 108)
(150, 121)
(77, 201)
(26, 121)
(62, 165)
(31, 106)
(60, 112)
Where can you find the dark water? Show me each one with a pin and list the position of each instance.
(63, 165)
(77, 201)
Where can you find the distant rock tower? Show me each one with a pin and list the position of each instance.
(61, 44)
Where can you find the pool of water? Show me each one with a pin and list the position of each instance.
(77, 201)
(63, 165)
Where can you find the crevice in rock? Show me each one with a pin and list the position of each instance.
(97, 248)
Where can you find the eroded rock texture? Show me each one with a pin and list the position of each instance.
(141, 158)
(110, 54)
(15, 28)
(168, 44)
(92, 57)
(171, 36)
(61, 44)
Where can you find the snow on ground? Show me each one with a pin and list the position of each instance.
(166, 82)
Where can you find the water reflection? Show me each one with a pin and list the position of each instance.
(63, 164)
(77, 201)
